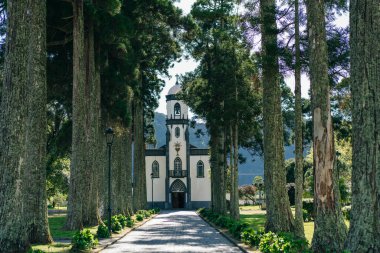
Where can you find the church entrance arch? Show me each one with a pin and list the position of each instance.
(178, 194)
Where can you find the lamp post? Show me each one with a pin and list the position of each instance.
(109, 138)
(151, 176)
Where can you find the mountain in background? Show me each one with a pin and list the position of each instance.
(254, 165)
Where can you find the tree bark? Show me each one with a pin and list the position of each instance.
(298, 222)
(279, 216)
(139, 190)
(78, 180)
(329, 228)
(235, 181)
(23, 210)
(91, 214)
(365, 84)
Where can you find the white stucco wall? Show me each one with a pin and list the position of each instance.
(170, 109)
(200, 187)
(158, 183)
(182, 141)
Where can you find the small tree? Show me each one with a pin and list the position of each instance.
(248, 192)
(258, 182)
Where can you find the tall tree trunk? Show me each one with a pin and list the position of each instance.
(128, 182)
(221, 186)
(329, 228)
(365, 83)
(279, 216)
(36, 126)
(23, 210)
(91, 214)
(139, 191)
(232, 174)
(298, 224)
(215, 205)
(78, 180)
(235, 213)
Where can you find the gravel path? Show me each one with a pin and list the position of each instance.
(174, 231)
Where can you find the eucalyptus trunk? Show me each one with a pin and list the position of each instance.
(214, 170)
(139, 190)
(235, 180)
(298, 222)
(128, 166)
(279, 216)
(91, 214)
(365, 84)
(218, 191)
(221, 186)
(329, 228)
(79, 181)
(23, 209)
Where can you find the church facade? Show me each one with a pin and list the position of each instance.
(178, 170)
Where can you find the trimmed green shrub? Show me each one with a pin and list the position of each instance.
(83, 240)
(122, 219)
(157, 210)
(139, 217)
(102, 231)
(236, 228)
(273, 243)
(115, 224)
(252, 237)
(130, 222)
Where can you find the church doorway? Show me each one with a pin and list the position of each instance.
(178, 194)
(178, 199)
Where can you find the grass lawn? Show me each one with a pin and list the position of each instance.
(55, 247)
(56, 224)
(257, 220)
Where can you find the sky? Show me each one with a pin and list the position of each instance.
(188, 65)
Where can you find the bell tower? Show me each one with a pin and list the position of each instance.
(177, 151)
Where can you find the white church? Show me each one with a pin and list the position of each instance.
(179, 171)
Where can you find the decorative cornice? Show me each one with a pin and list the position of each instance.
(155, 152)
(177, 122)
(199, 151)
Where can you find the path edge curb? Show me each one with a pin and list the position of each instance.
(99, 249)
(235, 242)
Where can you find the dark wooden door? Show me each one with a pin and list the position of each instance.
(178, 199)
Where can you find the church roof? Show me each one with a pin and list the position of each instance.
(174, 90)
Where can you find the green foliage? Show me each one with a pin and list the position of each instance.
(35, 251)
(236, 228)
(130, 222)
(268, 243)
(115, 224)
(156, 210)
(252, 237)
(273, 243)
(139, 217)
(102, 231)
(306, 215)
(308, 206)
(346, 211)
(83, 240)
(122, 219)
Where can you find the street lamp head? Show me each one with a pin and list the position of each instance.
(109, 135)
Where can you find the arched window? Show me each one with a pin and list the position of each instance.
(177, 109)
(155, 170)
(200, 169)
(177, 132)
(177, 164)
